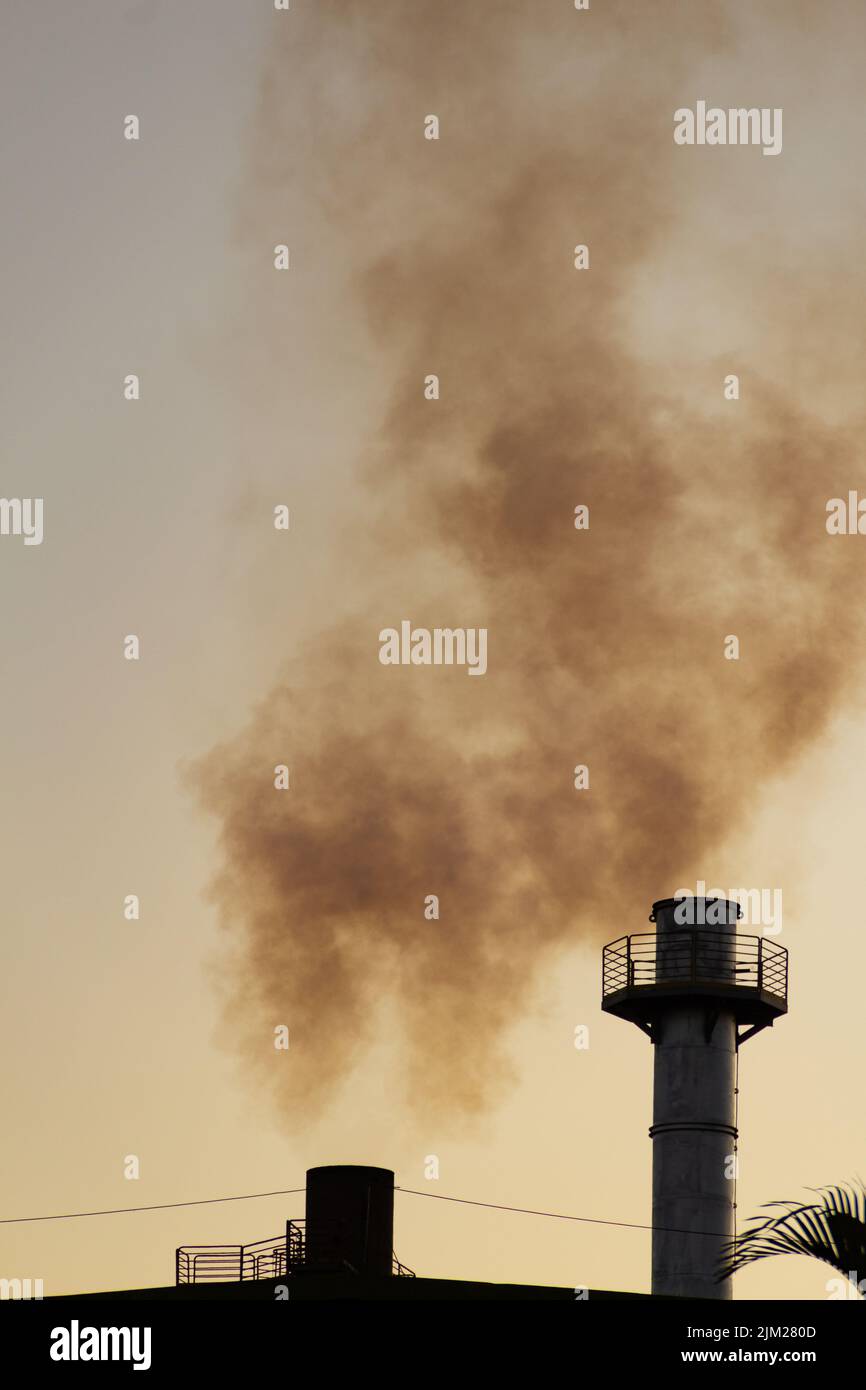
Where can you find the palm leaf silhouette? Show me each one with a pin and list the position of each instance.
(832, 1229)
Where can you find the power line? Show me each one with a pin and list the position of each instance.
(409, 1191)
(558, 1215)
(162, 1206)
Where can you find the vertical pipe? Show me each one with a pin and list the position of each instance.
(760, 962)
(350, 1219)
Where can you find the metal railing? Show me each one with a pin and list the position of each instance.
(273, 1258)
(651, 960)
(231, 1264)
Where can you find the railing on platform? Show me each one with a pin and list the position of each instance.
(230, 1264)
(652, 960)
(273, 1258)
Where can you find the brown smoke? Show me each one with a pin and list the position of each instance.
(606, 645)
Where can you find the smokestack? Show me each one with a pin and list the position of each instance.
(350, 1219)
(698, 990)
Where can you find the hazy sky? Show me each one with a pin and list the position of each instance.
(155, 257)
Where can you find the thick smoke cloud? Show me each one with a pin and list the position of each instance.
(606, 645)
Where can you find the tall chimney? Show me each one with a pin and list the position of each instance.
(698, 990)
(350, 1219)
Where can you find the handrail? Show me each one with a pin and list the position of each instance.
(649, 960)
(203, 1264)
(271, 1258)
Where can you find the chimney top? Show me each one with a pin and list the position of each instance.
(666, 904)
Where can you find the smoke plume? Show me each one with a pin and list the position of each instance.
(606, 646)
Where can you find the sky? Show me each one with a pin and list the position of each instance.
(413, 1038)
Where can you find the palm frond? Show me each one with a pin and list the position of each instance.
(832, 1229)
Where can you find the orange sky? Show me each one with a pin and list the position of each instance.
(137, 257)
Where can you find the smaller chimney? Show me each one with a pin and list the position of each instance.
(698, 990)
(350, 1219)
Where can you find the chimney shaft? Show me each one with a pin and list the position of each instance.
(350, 1219)
(694, 1109)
